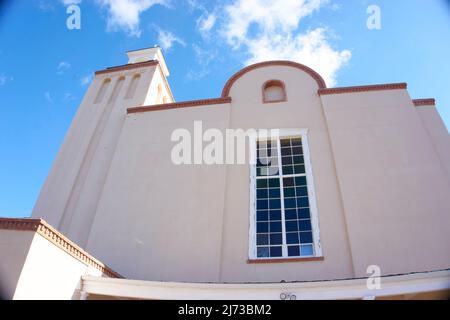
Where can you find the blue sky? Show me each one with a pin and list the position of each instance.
(45, 68)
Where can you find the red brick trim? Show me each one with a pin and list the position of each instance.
(239, 74)
(271, 83)
(58, 239)
(179, 105)
(376, 87)
(424, 102)
(128, 67)
(287, 260)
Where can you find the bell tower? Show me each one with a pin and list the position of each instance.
(69, 197)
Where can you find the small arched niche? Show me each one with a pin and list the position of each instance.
(274, 91)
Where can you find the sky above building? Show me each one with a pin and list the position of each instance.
(46, 67)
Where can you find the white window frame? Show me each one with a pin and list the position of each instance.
(282, 134)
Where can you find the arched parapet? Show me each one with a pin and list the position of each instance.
(229, 84)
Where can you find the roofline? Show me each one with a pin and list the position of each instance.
(242, 72)
(128, 67)
(354, 89)
(424, 102)
(44, 229)
(179, 105)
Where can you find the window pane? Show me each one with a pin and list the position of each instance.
(274, 193)
(306, 237)
(299, 169)
(304, 225)
(288, 170)
(286, 160)
(294, 251)
(263, 252)
(274, 183)
(275, 204)
(289, 192)
(276, 239)
(262, 204)
(296, 142)
(262, 215)
(262, 227)
(290, 203)
(291, 226)
(298, 160)
(262, 239)
(275, 215)
(291, 214)
(297, 151)
(300, 181)
(292, 238)
(285, 143)
(306, 250)
(302, 191)
(275, 252)
(288, 182)
(262, 193)
(275, 227)
(261, 183)
(303, 213)
(302, 202)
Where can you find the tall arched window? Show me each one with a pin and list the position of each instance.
(274, 91)
(102, 91)
(133, 86)
(158, 95)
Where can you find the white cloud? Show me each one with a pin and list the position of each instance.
(86, 80)
(167, 39)
(62, 67)
(125, 14)
(69, 97)
(268, 30)
(45, 6)
(69, 2)
(48, 97)
(206, 22)
(204, 57)
(4, 79)
(311, 49)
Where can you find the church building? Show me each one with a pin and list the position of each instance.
(343, 193)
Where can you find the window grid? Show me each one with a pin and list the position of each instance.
(282, 198)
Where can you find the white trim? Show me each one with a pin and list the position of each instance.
(252, 225)
(279, 134)
(323, 290)
(312, 197)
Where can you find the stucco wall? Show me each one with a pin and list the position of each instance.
(70, 195)
(14, 248)
(394, 188)
(151, 221)
(31, 267)
(380, 169)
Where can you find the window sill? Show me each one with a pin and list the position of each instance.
(274, 101)
(286, 260)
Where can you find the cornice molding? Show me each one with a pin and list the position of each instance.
(58, 239)
(179, 105)
(375, 87)
(424, 102)
(127, 67)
